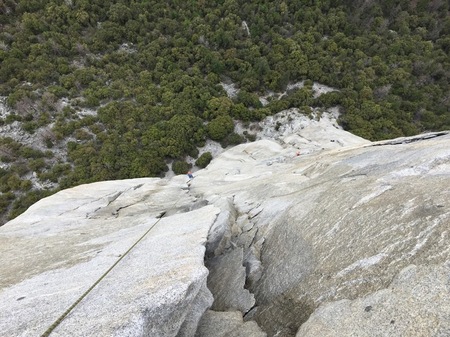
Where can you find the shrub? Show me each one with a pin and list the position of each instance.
(29, 152)
(181, 167)
(37, 164)
(250, 136)
(204, 160)
(30, 127)
(220, 127)
(232, 139)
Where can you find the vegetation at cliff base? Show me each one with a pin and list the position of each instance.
(151, 71)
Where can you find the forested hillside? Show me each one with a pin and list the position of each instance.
(151, 73)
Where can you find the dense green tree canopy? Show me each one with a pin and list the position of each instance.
(152, 69)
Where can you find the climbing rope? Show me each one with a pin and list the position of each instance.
(64, 315)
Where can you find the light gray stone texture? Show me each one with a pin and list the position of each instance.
(337, 224)
(219, 236)
(63, 244)
(227, 324)
(218, 323)
(415, 304)
(226, 282)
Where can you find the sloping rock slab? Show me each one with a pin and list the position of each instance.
(61, 247)
(339, 224)
(415, 304)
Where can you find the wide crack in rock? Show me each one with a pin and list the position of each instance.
(233, 260)
(407, 140)
(227, 280)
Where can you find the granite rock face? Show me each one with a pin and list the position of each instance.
(298, 243)
(227, 324)
(226, 282)
(416, 303)
(64, 244)
(333, 225)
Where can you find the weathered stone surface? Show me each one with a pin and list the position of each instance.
(218, 323)
(248, 329)
(338, 224)
(227, 324)
(63, 244)
(307, 134)
(415, 304)
(219, 236)
(226, 282)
